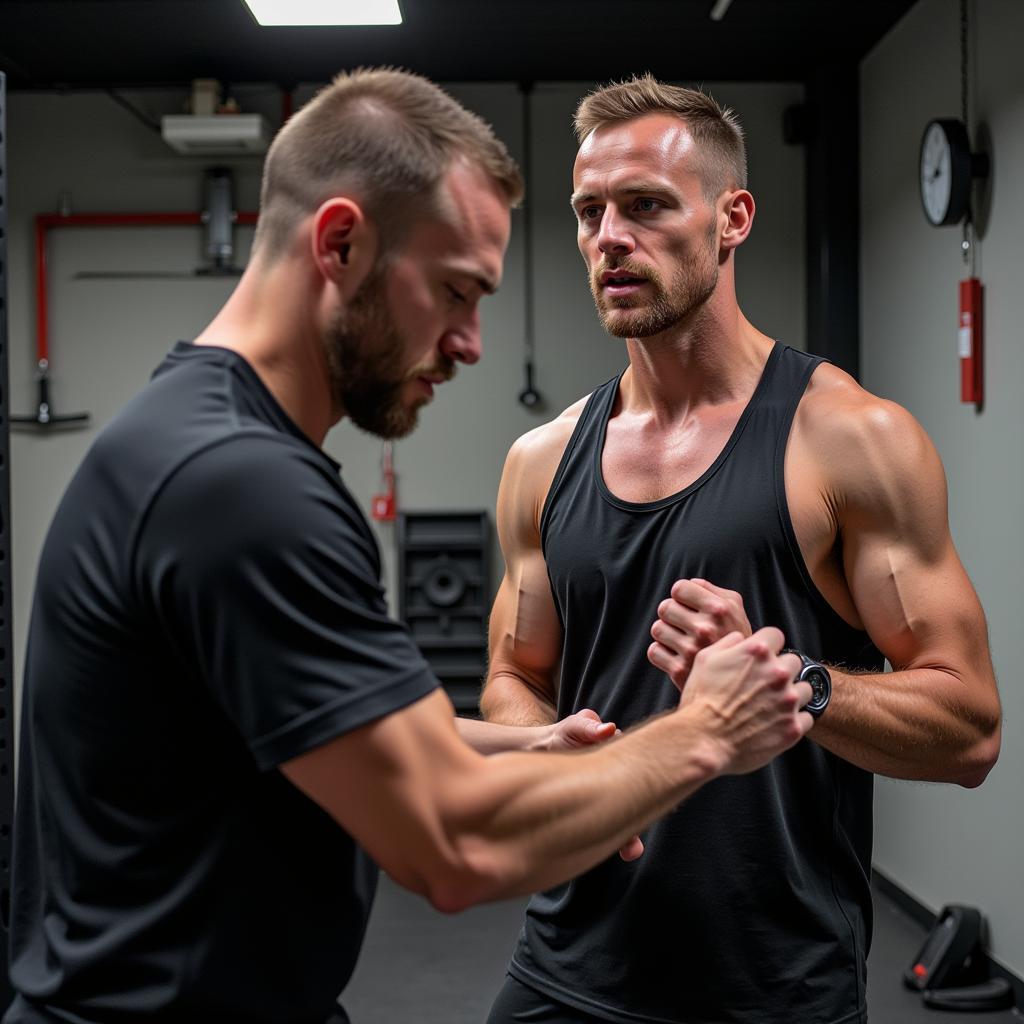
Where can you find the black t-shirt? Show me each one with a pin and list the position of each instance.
(207, 607)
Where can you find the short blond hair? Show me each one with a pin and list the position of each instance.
(384, 135)
(715, 129)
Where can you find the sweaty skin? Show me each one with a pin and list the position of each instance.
(864, 485)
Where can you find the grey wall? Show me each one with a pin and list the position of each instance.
(107, 335)
(945, 844)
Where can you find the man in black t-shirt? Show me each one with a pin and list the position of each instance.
(218, 715)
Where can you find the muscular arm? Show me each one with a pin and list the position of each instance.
(937, 715)
(461, 828)
(525, 634)
(883, 509)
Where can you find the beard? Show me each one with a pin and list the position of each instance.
(365, 355)
(690, 286)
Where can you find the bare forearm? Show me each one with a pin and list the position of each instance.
(462, 828)
(535, 821)
(491, 738)
(508, 699)
(925, 723)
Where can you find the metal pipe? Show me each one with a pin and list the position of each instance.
(46, 221)
(41, 325)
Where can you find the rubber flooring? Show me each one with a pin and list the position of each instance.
(421, 967)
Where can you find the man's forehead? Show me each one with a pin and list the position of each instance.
(464, 237)
(654, 139)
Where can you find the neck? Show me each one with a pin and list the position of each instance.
(271, 321)
(713, 356)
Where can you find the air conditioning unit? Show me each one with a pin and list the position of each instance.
(216, 134)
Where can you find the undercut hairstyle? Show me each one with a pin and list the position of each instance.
(384, 137)
(721, 154)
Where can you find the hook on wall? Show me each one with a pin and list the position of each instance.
(530, 397)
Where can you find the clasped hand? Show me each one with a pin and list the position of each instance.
(697, 615)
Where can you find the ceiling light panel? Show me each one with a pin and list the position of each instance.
(325, 12)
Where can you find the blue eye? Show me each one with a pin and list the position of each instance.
(646, 205)
(588, 212)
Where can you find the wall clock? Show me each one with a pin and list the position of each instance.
(946, 171)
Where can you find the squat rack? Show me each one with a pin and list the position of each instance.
(6, 644)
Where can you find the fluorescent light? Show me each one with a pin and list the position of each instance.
(326, 12)
(719, 8)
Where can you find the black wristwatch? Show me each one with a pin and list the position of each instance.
(816, 674)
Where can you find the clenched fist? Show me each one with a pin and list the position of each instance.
(696, 615)
(743, 694)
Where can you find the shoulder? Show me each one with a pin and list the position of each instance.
(531, 466)
(838, 415)
(254, 462)
(869, 450)
(255, 490)
(544, 445)
(534, 457)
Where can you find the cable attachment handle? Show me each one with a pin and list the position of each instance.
(44, 415)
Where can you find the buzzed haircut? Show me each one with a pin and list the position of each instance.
(721, 152)
(383, 136)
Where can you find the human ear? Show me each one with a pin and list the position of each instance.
(344, 243)
(738, 210)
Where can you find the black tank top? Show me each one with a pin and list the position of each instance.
(751, 903)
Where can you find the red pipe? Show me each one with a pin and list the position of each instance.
(41, 325)
(45, 221)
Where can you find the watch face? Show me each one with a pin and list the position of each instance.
(936, 173)
(820, 689)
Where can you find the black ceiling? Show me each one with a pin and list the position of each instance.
(73, 44)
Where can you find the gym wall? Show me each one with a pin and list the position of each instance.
(941, 843)
(106, 336)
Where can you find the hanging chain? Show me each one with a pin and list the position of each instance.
(527, 208)
(967, 245)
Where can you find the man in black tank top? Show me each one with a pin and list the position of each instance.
(723, 481)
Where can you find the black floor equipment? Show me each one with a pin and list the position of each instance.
(994, 994)
(444, 595)
(950, 968)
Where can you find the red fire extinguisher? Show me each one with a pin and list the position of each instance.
(969, 339)
(383, 507)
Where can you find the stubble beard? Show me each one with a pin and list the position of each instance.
(365, 356)
(691, 285)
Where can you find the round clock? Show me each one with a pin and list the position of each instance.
(947, 169)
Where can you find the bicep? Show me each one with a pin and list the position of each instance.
(904, 574)
(525, 634)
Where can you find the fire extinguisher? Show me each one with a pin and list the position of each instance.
(383, 507)
(969, 339)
